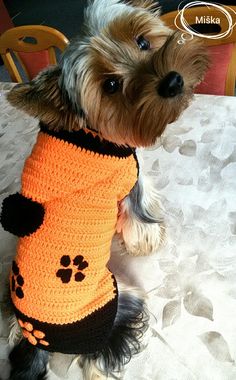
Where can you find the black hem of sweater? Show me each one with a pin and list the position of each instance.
(86, 336)
(89, 142)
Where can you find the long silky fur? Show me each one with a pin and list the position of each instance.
(140, 222)
(28, 362)
(130, 324)
(15, 334)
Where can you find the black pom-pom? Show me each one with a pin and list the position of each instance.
(20, 215)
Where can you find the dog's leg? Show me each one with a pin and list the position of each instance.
(140, 223)
(27, 361)
(125, 340)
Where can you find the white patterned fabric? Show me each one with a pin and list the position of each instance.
(191, 281)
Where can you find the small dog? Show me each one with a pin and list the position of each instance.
(115, 89)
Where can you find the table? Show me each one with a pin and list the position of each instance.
(191, 281)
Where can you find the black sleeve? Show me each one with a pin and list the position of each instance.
(20, 215)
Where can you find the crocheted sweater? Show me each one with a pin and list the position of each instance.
(65, 297)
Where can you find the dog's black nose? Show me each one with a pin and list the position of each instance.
(171, 85)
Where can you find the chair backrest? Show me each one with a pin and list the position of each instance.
(33, 45)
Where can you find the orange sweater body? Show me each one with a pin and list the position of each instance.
(68, 297)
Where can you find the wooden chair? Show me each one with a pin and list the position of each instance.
(33, 45)
(221, 77)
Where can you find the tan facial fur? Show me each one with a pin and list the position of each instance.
(136, 114)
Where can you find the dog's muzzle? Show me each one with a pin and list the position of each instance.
(171, 85)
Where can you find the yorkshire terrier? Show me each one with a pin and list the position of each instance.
(116, 88)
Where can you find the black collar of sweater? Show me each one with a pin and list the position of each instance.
(89, 142)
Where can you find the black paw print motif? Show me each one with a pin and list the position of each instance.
(65, 274)
(17, 281)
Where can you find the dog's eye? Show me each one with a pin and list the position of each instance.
(142, 43)
(111, 85)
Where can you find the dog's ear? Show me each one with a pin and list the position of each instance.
(44, 99)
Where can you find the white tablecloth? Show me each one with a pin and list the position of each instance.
(191, 281)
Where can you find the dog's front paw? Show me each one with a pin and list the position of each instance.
(141, 238)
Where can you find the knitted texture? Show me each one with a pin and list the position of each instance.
(64, 296)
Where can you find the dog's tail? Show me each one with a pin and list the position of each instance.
(130, 324)
(28, 362)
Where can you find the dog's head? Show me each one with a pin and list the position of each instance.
(126, 77)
